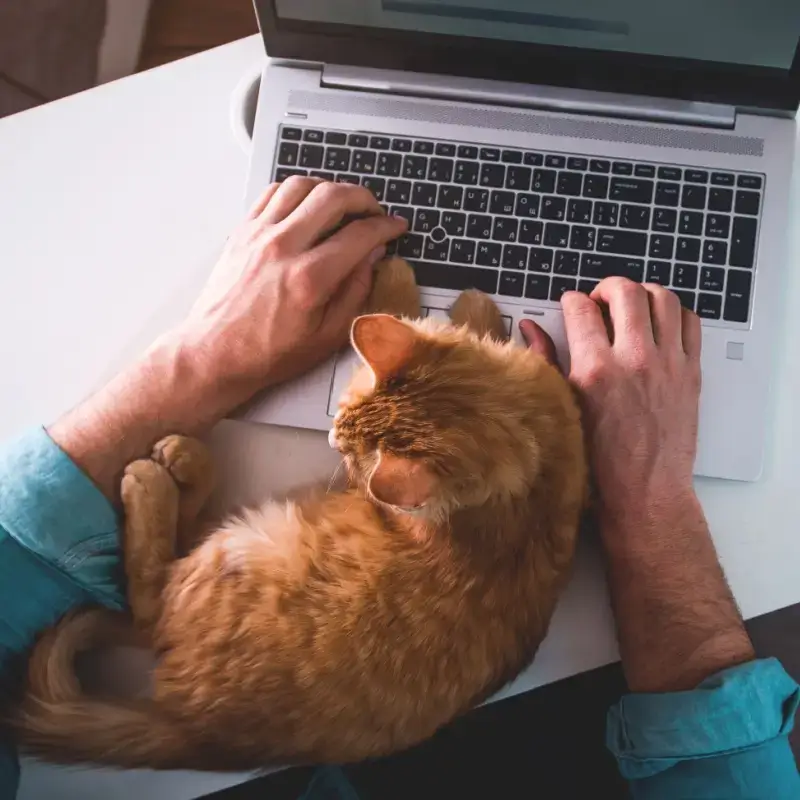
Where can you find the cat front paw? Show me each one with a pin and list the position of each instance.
(188, 460)
(394, 289)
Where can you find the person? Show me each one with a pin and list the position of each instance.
(704, 717)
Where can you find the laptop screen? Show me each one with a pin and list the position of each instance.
(742, 32)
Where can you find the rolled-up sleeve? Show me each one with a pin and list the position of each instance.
(728, 738)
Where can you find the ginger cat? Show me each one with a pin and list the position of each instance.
(339, 626)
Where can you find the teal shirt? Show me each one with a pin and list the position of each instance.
(59, 549)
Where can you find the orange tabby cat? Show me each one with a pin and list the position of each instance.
(339, 626)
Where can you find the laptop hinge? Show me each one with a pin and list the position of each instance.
(551, 98)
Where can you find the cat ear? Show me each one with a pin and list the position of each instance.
(384, 342)
(401, 482)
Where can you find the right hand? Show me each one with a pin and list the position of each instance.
(639, 379)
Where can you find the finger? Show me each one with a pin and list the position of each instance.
(325, 208)
(538, 340)
(260, 204)
(629, 310)
(287, 197)
(586, 331)
(665, 317)
(692, 333)
(347, 303)
(335, 259)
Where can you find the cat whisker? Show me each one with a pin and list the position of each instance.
(333, 477)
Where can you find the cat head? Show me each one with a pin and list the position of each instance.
(438, 419)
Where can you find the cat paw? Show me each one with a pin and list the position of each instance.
(479, 313)
(394, 289)
(145, 482)
(188, 460)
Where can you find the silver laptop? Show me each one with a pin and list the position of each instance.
(538, 147)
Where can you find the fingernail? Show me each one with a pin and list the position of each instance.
(400, 218)
(376, 255)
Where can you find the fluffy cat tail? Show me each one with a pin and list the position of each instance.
(61, 724)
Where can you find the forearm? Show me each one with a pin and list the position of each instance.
(677, 621)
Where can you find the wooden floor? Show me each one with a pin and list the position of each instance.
(180, 28)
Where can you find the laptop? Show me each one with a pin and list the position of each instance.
(538, 147)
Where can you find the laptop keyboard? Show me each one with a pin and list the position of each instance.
(532, 225)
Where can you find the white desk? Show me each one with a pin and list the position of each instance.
(112, 201)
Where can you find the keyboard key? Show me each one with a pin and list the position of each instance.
(644, 171)
(659, 272)
(441, 169)
(389, 164)
(540, 259)
(335, 137)
(450, 197)
(462, 251)
(376, 185)
(667, 194)
(695, 176)
(325, 176)
(561, 285)
(635, 217)
(559, 162)
(398, 192)
(425, 220)
(415, 167)
(749, 181)
(492, 175)
(579, 211)
(599, 165)
(377, 142)
(363, 161)
(402, 145)
(587, 287)
(355, 180)
(720, 200)
(489, 254)
(669, 173)
(686, 298)
(358, 140)
(661, 245)
(479, 226)
(502, 202)
(537, 287)
(622, 168)
(712, 279)
(601, 266)
(282, 173)
(570, 183)
(531, 232)
(722, 179)
(631, 190)
(406, 212)
(527, 205)
(688, 250)
(467, 151)
(423, 148)
(515, 256)
(423, 194)
(665, 219)
(294, 134)
(578, 163)
(512, 283)
(476, 200)
(566, 263)
(518, 178)
(709, 306)
(684, 276)
(743, 242)
(605, 213)
(454, 223)
(445, 276)
(582, 237)
(747, 202)
(533, 159)
(715, 252)
(544, 180)
(554, 208)
(718, 226)
(410, 245)
(436, 251)
(628, 243)
(691, 223)
(694, 197)
(445, 149)
(556, 235)
(311, 155)
(313, 136)
(489, 154)
(511, 157)
(595, 186)
(505, 229)
(337, 158)
(737, 295)
(288, 154)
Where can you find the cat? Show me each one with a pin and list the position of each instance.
(337, 626)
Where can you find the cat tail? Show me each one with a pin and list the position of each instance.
(61, 724)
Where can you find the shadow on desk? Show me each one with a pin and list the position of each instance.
(546, 744)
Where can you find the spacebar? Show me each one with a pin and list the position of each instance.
(445, 276)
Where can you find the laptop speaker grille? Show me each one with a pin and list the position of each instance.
(531, 122)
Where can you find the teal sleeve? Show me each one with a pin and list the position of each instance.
(726, 739)
(59, 549)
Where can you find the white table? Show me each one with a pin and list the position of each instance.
(114, 202)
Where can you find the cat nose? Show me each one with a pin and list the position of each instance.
(332, 440)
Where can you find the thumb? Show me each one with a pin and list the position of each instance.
(348, 301)
(538, 340)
